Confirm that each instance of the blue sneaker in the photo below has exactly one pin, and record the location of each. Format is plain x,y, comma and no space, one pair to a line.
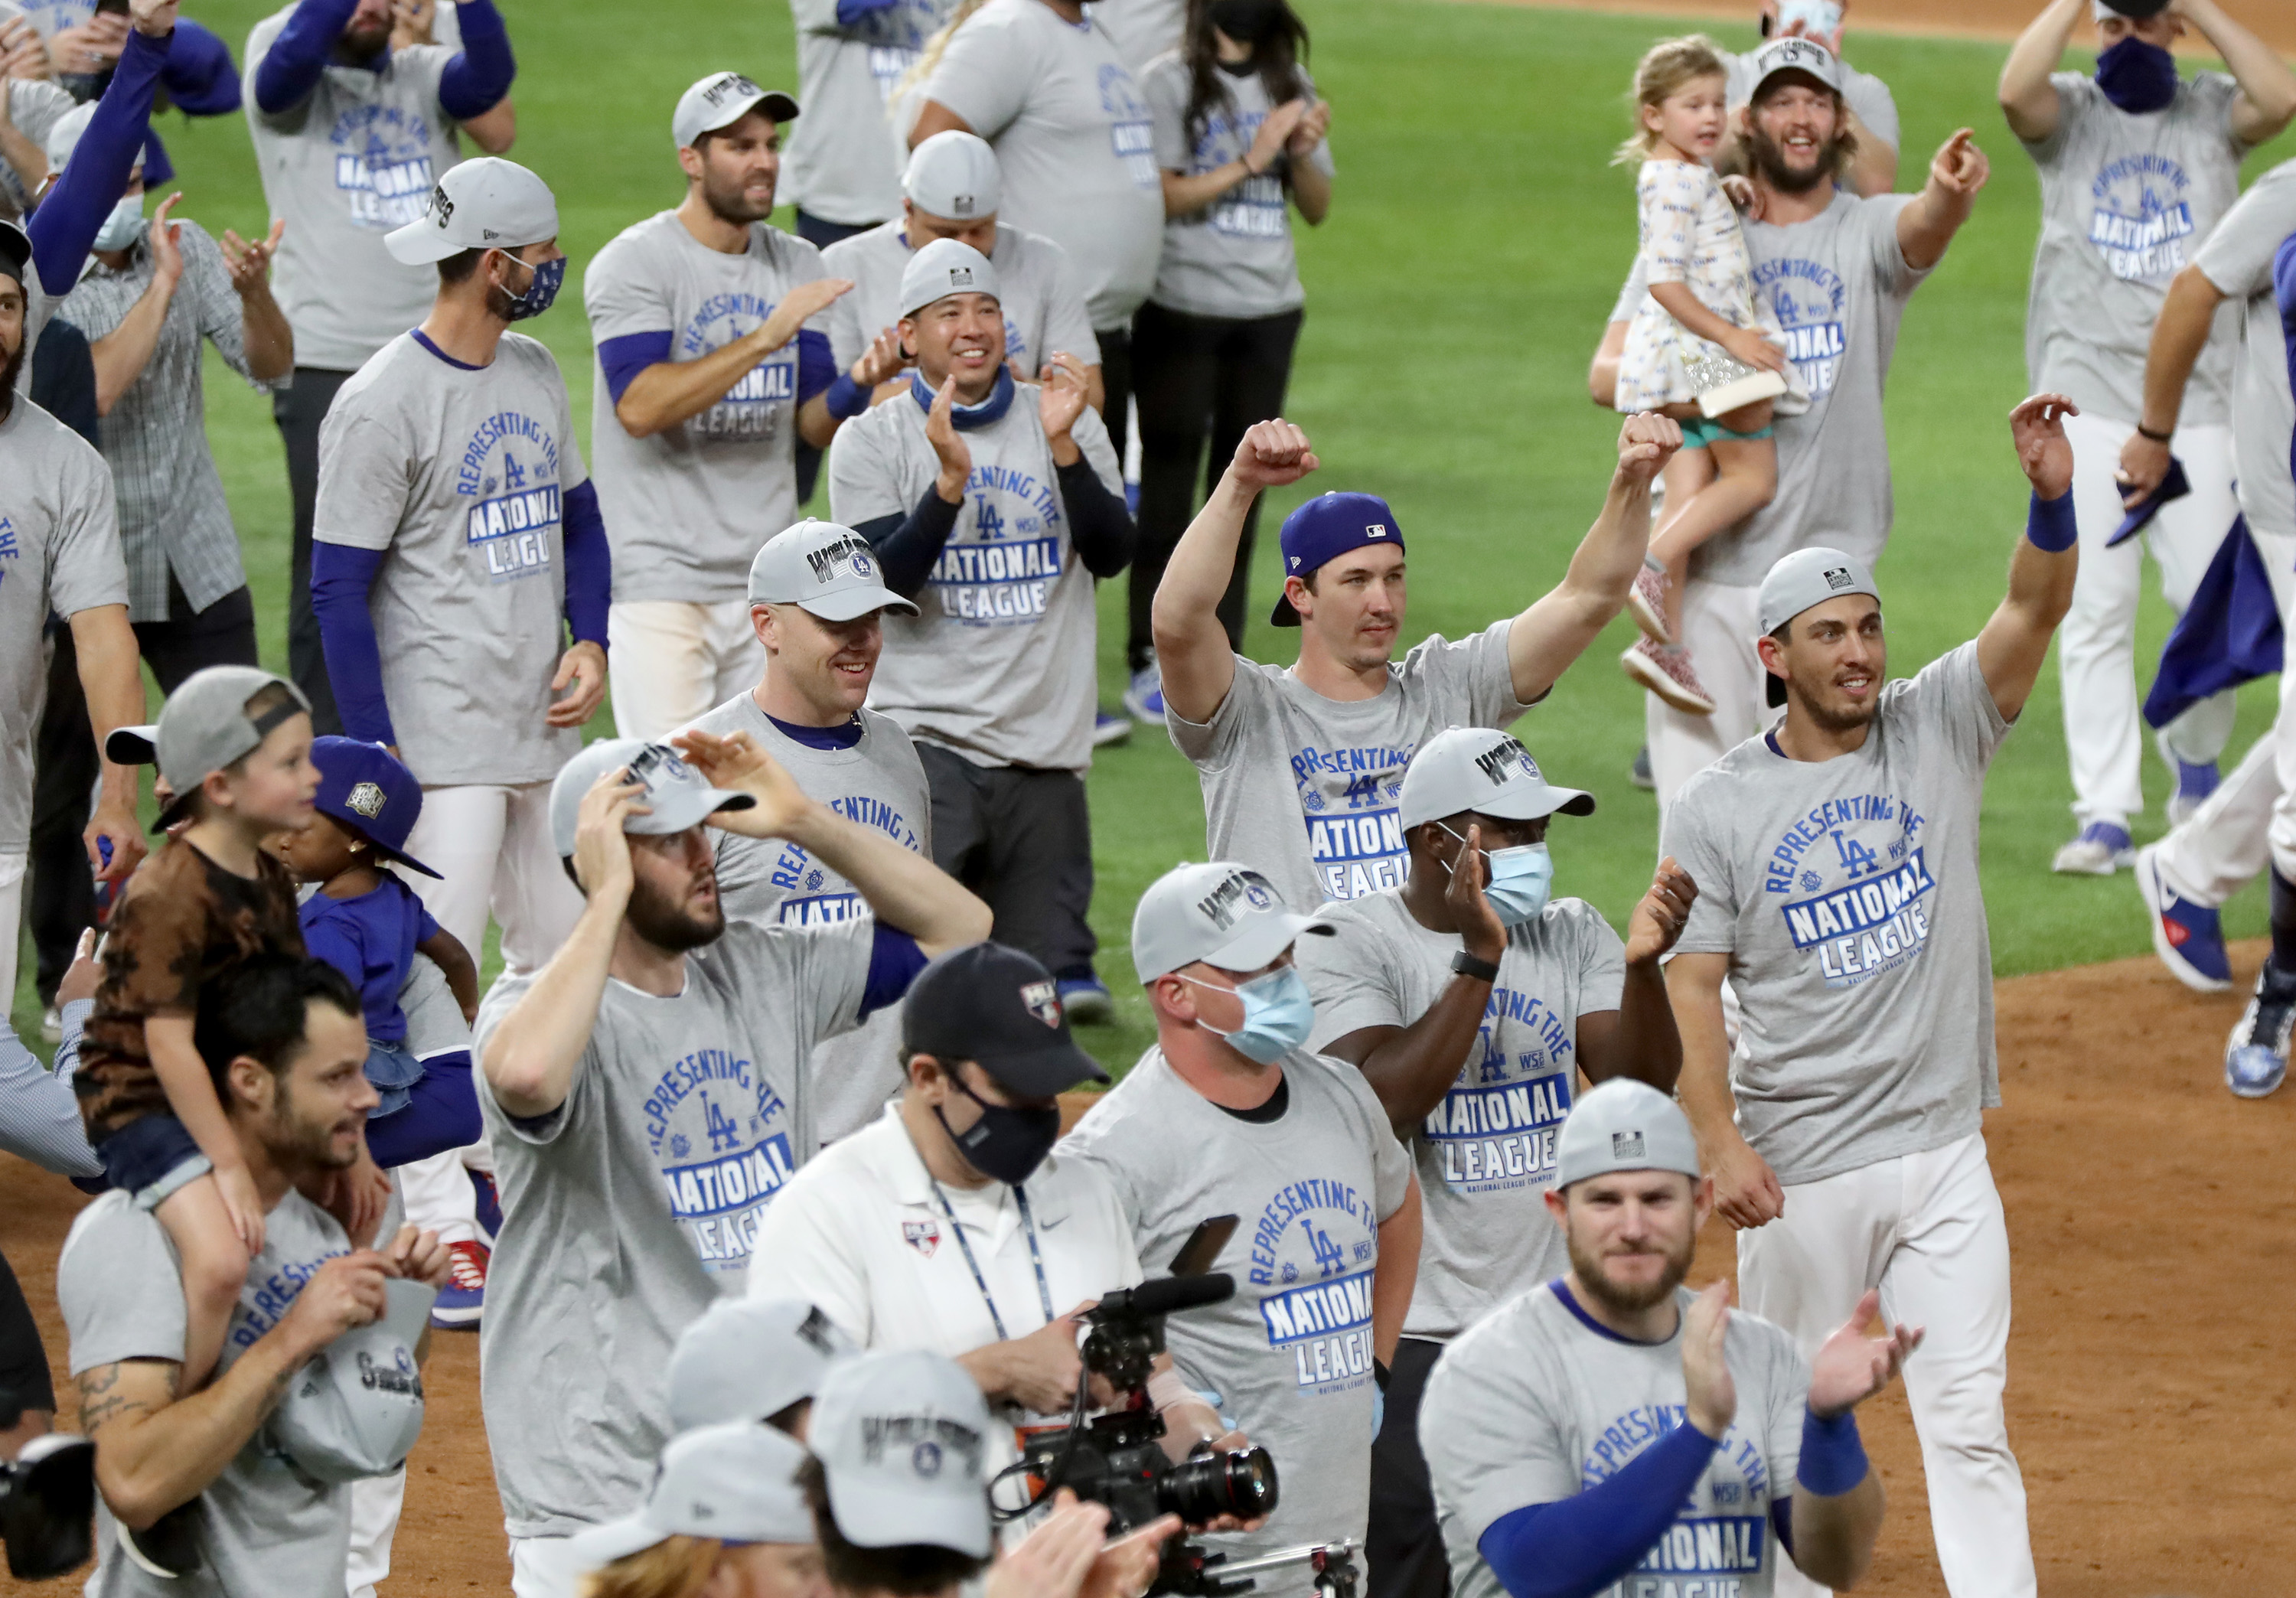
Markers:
1086,1001
482,1184
2195,784
2256,1054
2101,849
1144,699
1108,729
463,1300
2188,938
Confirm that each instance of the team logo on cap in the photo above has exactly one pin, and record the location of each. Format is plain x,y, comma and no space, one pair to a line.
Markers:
1506,760
924,1236
366,798
816,1333
960,277
847,557
726,87
1626,1145
1838,578
442,207
961,205
1043,1000
925,1458
1247,889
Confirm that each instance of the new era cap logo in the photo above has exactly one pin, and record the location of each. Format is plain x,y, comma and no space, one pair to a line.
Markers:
1626,1145
1838,578
1042,1001
366,798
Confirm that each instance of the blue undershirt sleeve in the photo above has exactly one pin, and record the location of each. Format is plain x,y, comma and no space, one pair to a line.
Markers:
894,962
201,77
1577,1546
291,68
475,81
817,367
63,228
342,575
589,566
621,359
908,546
853,13
1098,524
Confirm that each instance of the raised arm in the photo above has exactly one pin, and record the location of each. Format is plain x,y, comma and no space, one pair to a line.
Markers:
1640,1039
2267,89
1926,226
2016,640
1560,624
1396,1272
2028,100
1746,1191
121,355
2179,334
1192,656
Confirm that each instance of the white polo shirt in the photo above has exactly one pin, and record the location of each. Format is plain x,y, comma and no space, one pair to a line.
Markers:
861,1232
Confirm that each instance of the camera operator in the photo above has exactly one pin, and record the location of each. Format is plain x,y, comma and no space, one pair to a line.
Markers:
947,1225
1611,1422
1228,1114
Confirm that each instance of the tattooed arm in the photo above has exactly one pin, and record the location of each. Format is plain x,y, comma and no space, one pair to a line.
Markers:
155,1449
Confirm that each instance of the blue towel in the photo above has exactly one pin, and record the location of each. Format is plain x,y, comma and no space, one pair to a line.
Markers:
2229,634
2173,484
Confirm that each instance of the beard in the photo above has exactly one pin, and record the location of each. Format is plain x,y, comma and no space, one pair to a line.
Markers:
299,1143
1588,1269
1826,717
9,370
1769,159
363,42
671,926
728,203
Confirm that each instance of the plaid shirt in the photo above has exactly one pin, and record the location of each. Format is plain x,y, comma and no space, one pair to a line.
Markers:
172,511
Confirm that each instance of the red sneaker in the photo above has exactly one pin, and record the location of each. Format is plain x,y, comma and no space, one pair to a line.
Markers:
464,1298
1664,669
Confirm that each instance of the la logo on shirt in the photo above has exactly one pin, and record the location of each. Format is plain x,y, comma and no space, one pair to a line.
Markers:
383,166
1853,880
1811,302
720,1138
509,471
1314,1248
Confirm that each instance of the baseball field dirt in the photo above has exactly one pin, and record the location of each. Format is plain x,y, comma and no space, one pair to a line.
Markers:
2151,1402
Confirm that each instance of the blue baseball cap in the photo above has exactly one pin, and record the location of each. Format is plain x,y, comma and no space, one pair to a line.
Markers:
1326,528
363,786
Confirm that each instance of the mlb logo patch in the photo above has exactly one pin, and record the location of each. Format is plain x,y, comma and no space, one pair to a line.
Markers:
960,277
1626,1145
1042,1001
1377,529
1838,578
366,798
963,204
924,1236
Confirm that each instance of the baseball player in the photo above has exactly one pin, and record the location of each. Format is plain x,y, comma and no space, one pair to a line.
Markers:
2136,166
713,367
2249,822
1300,769
952,190
818,600
1611,1432
1836,863
1471,1002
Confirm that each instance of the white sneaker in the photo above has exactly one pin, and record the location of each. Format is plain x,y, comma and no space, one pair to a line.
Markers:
1143,699
52,1023
2101,849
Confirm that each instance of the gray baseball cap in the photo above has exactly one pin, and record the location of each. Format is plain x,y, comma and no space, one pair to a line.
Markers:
204,726
15,250
1623,1125
824,568
736,1483
747,1359
1796,54
953,175
1223,913
721,100
357,1408
1810,577
944,267
1475,769
488,203
675,792
902,1436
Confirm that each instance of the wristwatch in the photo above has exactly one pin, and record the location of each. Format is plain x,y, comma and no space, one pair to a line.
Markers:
1482,970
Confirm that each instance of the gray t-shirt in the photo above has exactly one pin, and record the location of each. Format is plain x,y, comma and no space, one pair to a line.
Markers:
1233,258
35,107
879,782
354,159
630,1207
1043,308
267,1527
999,666
460,475
688,509
60,552
1073,141
1538,1404
843,160
1289,1356
1143,30
2126,200
2238,259
1303,788
1486,1154
1846,894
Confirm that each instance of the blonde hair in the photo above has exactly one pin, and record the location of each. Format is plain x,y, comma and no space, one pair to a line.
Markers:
1664,71
677,1567
937,46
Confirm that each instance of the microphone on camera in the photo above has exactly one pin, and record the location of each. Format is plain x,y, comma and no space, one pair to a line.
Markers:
1164,1296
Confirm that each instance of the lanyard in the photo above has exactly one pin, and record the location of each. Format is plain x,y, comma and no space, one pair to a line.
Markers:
1036,1260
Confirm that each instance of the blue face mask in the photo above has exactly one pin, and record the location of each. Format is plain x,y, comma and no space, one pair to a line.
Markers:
541,291
1278,1014
1522,878
2138,77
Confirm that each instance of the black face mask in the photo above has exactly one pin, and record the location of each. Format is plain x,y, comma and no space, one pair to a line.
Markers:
1246,22
1007,1143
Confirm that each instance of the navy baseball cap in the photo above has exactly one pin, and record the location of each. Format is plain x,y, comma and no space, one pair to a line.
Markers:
15,250
363,786
995,1006
1326,528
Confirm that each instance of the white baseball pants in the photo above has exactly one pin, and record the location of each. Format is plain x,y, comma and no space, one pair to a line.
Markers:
2250,821
375,1503
1927,1230
1719,623
2097,646
491,846
669,661
546,1568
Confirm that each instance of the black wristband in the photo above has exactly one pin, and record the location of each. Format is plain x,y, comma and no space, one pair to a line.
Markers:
2145,432
1482,970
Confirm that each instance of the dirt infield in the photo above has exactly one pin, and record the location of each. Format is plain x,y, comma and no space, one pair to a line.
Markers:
2152,1398
2273,20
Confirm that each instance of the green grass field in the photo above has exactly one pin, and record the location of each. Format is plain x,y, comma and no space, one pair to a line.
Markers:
1476,241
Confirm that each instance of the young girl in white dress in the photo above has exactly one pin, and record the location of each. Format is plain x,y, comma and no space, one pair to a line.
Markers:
1698,333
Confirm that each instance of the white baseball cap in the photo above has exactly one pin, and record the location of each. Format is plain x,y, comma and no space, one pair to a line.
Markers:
1475,769
1809,576
826,568
64,137
736,1483
675,792
902,1436
357,1408
1224,914
943,267
953,175
721,100
748,1359
488,203
1623,1125
1795,54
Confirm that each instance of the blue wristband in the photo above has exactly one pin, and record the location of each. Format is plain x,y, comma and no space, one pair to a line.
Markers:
845,398
1833,1454
2049,523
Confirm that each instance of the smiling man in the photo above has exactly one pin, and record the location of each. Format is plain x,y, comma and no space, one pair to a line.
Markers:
1836,864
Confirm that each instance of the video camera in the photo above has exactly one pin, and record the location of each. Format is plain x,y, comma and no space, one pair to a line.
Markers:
48,1501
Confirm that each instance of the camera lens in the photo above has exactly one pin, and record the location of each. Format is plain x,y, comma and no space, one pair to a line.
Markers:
1240,1483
